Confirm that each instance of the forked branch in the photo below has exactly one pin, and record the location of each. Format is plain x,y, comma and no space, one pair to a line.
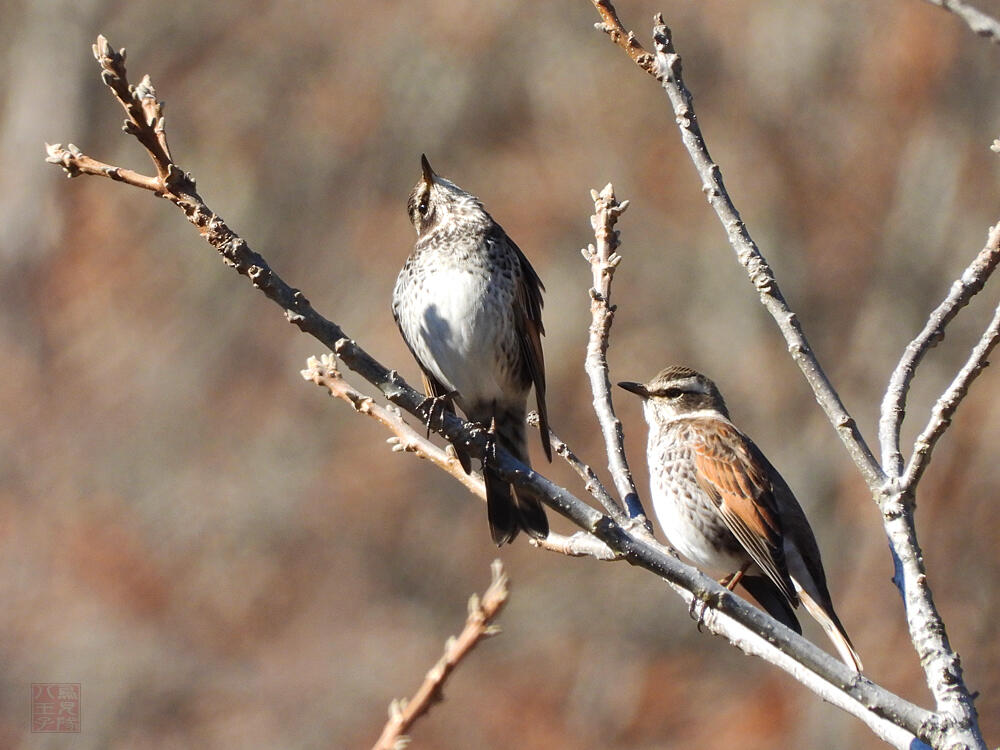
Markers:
893,410
945,407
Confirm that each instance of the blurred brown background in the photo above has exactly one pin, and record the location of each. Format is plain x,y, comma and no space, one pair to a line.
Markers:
224,557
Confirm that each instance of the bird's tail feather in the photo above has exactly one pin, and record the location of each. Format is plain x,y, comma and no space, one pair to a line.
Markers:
834,631
507,509
500,509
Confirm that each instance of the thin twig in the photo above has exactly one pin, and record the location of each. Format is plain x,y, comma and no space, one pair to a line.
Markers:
323,372
894,403
945,407
592,483
578,544
981,23
403,713
611,26
76,163
893,408
603,261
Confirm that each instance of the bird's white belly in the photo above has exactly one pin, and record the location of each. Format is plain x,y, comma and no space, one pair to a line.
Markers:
685,536
455,332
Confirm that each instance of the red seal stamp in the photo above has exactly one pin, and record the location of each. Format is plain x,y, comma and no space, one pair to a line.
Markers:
55,707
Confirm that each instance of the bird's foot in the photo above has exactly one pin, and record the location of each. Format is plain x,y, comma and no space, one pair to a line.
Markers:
435,408
697,611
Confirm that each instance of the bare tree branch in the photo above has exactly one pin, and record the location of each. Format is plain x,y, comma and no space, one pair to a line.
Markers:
323,372
624,39
949,401
940,663
603,260
76,163
887,728
894,403
827,675
938,660
734,618
403,713
145,112
979,22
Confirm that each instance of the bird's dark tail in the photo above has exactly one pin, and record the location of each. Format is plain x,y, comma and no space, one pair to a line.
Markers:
508,510
771,600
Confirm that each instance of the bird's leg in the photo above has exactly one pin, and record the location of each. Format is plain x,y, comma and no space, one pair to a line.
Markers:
435,407
733,578
490,454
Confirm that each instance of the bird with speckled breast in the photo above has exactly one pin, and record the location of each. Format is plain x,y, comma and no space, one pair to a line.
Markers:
726,508
469,306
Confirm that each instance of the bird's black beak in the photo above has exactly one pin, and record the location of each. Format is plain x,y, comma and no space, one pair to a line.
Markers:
637,388
426,167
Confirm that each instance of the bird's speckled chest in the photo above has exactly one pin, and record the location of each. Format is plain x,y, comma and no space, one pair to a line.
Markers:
454,301
686,513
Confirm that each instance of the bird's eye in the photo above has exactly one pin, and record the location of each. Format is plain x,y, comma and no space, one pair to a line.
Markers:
422,206
672,392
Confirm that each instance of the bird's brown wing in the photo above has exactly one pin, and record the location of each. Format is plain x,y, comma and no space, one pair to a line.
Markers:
741,489
528,313
815,594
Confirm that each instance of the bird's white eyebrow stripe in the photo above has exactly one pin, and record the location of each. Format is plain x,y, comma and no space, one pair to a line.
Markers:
691,385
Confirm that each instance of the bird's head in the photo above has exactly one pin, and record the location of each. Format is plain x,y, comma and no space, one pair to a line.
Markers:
435,200
677,392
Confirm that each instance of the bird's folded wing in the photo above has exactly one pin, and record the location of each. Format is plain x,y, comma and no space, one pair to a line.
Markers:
742,491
